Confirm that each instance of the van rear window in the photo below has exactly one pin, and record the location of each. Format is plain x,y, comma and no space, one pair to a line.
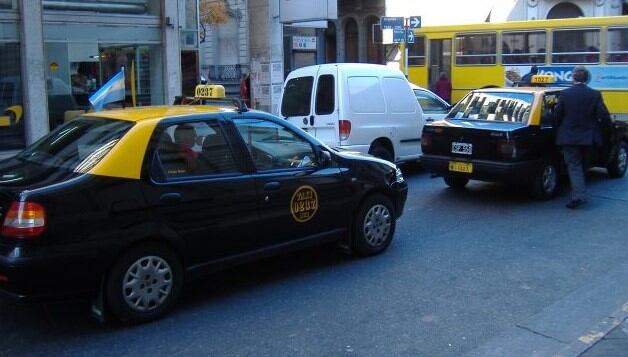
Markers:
297,97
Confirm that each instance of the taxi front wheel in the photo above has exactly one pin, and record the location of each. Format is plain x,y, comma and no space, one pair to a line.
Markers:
374,226
144,283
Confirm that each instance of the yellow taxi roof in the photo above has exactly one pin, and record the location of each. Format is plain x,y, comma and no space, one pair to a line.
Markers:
522,89
158,112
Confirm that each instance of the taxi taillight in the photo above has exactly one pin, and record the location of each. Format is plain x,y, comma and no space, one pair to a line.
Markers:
344,129
426,141
507,149
24,220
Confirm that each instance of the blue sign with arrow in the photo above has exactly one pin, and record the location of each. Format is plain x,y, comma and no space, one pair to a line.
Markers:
415,22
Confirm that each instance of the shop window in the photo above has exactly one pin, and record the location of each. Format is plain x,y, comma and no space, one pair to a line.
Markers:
11,106
617,45
476,49
523,47
136,7
416,52
576,46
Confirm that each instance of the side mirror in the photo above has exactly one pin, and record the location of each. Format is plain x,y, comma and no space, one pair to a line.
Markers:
325,158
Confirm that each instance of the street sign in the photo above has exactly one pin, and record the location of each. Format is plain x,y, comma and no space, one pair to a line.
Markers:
410,36
399,35
415,22
391,22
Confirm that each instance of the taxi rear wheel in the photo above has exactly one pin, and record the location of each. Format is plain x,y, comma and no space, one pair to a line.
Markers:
456,182
374,226
144,283
546,182
617,167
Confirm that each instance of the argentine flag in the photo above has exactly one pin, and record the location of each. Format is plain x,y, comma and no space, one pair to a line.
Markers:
112,91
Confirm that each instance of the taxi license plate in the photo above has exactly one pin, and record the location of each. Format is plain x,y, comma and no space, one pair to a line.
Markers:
461,148
457,166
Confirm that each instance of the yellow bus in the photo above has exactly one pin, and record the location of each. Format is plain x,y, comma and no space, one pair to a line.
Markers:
500,54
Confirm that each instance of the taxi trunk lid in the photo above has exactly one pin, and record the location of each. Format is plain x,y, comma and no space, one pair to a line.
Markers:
471,140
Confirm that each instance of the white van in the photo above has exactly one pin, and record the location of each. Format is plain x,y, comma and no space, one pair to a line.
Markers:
359,107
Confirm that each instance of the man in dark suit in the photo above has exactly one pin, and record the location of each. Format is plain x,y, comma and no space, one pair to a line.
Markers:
580,113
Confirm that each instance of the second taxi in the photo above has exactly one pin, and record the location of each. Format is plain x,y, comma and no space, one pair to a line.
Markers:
129,204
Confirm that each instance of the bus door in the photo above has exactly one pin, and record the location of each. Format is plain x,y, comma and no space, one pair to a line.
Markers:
439,59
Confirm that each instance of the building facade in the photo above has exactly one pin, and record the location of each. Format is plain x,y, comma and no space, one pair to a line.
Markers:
55,54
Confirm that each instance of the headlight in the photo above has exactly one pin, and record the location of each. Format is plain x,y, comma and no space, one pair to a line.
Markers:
399,175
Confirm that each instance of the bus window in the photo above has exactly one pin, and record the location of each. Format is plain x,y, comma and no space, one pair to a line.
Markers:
523,47
416,52
476,48
617,45
576,46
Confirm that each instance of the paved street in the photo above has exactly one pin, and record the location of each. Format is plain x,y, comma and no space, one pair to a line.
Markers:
485,271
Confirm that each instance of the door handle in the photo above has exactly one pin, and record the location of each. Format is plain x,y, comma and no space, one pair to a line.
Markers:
311,120
272,186
170,197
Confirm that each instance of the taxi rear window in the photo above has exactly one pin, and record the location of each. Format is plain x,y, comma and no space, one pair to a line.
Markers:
78,145
494,106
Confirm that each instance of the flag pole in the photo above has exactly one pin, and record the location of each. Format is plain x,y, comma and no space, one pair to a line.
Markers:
133,84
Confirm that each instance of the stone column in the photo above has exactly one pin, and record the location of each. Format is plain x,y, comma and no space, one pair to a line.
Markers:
35,102
171,50
340,40
362,40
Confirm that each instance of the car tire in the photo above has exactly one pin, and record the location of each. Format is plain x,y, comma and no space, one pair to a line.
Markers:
456,182
546,181
617,167
144,283
374,226
382,152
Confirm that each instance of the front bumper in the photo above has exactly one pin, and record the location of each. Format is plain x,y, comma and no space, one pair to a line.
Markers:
400,192
484,170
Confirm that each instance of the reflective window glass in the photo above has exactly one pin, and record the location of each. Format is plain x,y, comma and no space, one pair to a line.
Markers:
297,97
11,105
275,147
523,47
416,52
325,95
476,48
576,46
617,45
494,106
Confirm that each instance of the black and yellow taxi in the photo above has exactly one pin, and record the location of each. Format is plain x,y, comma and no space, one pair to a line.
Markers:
127,205
508,135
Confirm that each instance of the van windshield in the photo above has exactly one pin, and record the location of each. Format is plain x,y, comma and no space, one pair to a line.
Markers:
297,97
494,106
78,145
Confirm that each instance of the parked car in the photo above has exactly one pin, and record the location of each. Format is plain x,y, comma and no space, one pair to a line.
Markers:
357,107
433,106
508,135
127,205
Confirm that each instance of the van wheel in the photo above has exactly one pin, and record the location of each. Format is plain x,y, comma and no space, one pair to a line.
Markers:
381,152
617,167
144,283
374,226
545,185
456,182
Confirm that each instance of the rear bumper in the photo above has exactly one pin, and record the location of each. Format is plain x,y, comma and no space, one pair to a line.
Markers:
400,192
29,276
518,172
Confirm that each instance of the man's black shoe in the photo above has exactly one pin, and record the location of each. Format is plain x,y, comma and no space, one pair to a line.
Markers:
575,203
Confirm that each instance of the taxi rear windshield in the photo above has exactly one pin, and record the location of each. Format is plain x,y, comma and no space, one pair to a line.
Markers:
494,106
77,145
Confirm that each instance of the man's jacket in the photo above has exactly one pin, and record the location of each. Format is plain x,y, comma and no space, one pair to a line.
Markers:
580,114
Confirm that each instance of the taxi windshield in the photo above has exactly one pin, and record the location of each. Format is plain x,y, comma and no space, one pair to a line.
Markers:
494,106
78,145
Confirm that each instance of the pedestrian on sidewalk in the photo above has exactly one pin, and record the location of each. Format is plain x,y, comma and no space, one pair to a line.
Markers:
442,87
580,113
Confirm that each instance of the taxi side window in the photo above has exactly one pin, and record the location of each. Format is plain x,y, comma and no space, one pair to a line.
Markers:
274,147
194,149
547,112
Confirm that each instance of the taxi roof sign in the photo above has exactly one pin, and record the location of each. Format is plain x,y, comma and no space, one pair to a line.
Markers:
542,79
209,91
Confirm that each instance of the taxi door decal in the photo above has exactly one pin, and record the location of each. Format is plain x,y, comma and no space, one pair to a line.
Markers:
304,204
